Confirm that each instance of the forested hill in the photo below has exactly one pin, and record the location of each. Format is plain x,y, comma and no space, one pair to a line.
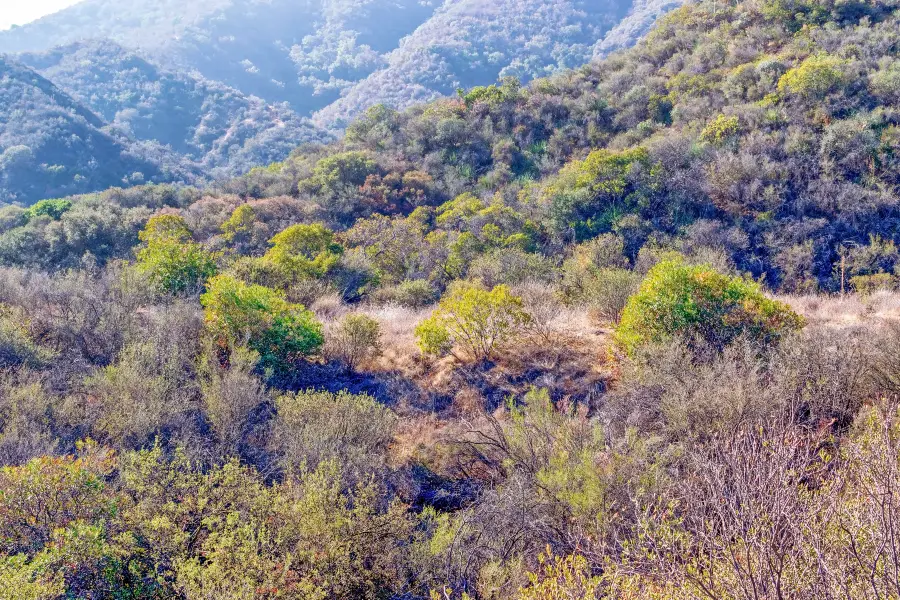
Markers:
50,145
224,131
309,52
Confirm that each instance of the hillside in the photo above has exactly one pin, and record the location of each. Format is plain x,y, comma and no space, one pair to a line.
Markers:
225,132
53,146
625,331
471,42
310,53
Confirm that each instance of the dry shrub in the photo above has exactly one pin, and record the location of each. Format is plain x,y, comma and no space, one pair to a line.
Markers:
352,429
230,392
542,302
357,337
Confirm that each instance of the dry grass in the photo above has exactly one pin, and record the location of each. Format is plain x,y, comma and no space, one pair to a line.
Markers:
847,311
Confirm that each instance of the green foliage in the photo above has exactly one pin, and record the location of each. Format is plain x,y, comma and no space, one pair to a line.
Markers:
172,260
49,493
720,130
492,95
236,230
304,251
869,284
51,208
280,332
814,77
558,577
474,318
21,579
587,197
701,305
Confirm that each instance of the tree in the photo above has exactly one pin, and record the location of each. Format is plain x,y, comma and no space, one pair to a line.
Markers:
304,251
281,332
701,305
170,257
474,318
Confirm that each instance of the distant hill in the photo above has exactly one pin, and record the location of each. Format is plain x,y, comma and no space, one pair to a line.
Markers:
340,56
51,145
473,42
223,130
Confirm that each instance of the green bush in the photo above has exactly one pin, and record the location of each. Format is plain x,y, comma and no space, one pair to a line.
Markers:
868,284
412,293
701,305
171,259
473,318
814,77
281,332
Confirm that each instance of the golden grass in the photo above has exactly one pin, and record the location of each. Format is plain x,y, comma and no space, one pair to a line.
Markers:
848,310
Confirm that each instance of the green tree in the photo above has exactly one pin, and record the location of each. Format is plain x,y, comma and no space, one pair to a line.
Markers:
474,318
281,332
304,252
588,196
170,257
702,305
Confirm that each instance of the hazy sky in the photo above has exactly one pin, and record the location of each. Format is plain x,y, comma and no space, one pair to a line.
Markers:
19,12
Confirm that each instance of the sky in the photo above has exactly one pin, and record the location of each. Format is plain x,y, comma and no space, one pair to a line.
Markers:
20,12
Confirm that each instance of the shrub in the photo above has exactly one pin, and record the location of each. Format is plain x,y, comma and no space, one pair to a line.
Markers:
412,293
281,332
474,318
814,77
558,577
720,130
356,338
868,284
172,260
51,208
230,392
607,292
352,429
17,347
701,305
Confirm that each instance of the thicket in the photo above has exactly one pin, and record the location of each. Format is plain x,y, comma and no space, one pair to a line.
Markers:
218,393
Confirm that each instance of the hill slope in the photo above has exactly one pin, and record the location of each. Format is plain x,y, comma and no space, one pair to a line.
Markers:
50,145
220,128
310,52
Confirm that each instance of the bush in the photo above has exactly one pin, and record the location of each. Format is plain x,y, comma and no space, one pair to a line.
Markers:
868,284
281,332
607,292
356,338
230,393
172,260
701,305
415,293
474,318
814,77
354,430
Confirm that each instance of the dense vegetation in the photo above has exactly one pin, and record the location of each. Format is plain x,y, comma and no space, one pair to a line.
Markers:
207,91
516,344
308,52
